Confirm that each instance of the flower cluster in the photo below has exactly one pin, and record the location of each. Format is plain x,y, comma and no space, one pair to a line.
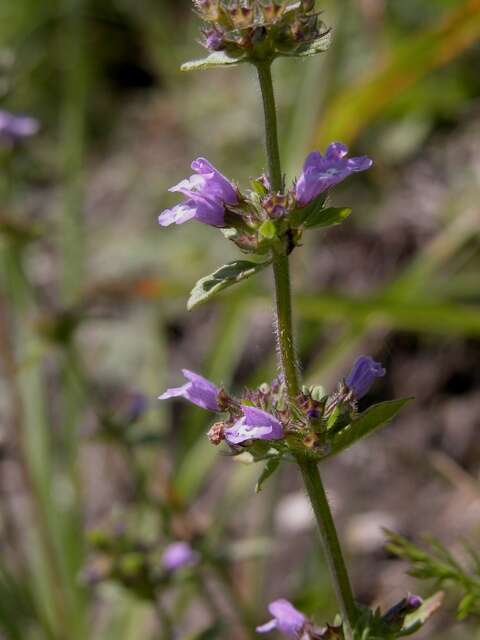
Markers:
15,128
260,216
261,29
293,624
267,414
179,555
141,567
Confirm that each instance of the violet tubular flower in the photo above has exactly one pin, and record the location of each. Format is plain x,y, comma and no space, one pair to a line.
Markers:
286,619
14,128
207,192
363,375
320,173
179,555
197,390
255,424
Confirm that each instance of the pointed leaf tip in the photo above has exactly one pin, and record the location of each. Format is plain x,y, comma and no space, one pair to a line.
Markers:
222,278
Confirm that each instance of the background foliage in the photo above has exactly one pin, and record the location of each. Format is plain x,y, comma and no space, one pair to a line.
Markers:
93,299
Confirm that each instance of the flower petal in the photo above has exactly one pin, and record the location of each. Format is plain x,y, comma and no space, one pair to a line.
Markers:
178,215
268,626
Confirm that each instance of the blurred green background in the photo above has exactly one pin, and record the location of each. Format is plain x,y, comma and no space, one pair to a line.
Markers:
93,294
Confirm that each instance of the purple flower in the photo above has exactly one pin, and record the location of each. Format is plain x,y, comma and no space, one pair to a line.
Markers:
414,602
286,619
179,555
363,375
14,128
213,39
322,172
198,390
207,192
397,614
255,424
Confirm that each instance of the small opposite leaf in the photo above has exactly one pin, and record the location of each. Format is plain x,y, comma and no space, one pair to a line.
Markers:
298,217
312,48
366,423
216,59
418,618
268,229
327,217
222,278
269,470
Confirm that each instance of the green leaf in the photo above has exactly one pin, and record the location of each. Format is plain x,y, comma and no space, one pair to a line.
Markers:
222,278
312,48
298,217
216,59
269,469
418,618
268,229
366,423
327,217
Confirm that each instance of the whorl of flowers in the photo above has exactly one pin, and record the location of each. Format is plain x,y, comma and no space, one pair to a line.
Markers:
267,413
260,216
262,29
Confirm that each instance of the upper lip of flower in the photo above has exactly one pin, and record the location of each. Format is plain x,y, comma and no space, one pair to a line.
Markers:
323,172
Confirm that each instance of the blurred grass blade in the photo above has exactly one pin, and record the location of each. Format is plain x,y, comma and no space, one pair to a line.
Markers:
437,317
355,107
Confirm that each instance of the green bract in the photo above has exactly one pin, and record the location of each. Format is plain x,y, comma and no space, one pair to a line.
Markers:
258,32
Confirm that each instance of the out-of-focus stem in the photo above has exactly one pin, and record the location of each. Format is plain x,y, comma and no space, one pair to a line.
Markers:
76,79
286,348
32,488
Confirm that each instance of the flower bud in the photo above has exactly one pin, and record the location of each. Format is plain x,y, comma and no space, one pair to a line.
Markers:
276,205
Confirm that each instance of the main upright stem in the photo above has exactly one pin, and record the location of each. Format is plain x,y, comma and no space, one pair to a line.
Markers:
308,468
281,267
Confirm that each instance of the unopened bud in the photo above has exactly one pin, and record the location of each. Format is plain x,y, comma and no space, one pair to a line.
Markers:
276,205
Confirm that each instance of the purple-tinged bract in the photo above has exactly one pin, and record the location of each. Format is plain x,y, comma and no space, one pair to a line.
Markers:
14,128
207,192
255,424
198,390
363,375
179,555
286,620
320,173
213,39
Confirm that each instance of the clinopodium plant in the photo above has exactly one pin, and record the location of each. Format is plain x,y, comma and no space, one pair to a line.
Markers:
284,420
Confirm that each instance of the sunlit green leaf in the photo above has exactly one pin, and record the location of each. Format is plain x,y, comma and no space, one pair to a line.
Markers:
222,278
216,59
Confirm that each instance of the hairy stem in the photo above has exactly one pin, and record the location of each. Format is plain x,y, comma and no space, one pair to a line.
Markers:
309,469
329,538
